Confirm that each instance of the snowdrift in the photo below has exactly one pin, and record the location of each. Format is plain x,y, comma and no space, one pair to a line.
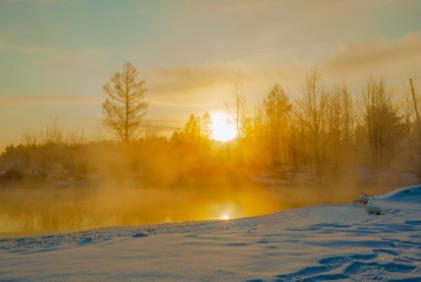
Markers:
320,243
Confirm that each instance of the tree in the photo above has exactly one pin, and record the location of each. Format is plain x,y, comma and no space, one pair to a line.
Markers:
339,122
312,115
125,105
206,125
192,128
194,136
382,122
191,132
277,109
240,108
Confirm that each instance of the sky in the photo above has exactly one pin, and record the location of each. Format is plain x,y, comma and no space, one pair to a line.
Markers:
55,55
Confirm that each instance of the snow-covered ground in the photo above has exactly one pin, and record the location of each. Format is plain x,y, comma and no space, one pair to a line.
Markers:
380,242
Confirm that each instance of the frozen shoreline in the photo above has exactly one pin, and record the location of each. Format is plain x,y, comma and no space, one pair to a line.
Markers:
319,243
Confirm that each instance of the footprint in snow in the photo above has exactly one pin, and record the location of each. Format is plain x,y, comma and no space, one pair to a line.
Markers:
351,265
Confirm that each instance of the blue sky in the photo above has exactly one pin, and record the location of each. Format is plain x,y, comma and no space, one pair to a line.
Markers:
55,55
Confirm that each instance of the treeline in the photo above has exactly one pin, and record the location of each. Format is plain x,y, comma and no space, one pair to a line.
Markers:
329,129
325,132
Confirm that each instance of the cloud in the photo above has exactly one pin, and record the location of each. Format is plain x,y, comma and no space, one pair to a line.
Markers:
181,83
161,125
376,54
189,79
43,54
18,101
63,57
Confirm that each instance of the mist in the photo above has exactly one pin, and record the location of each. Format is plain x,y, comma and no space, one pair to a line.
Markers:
324,147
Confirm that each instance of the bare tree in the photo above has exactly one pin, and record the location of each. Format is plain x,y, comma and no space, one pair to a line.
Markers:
54,133
239,106
125,105
312,114
339,125
414,100
382,122
348,117
277,109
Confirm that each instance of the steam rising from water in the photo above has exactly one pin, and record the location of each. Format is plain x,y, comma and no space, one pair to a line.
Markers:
33,208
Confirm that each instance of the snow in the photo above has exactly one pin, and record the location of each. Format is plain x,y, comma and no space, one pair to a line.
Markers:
320,243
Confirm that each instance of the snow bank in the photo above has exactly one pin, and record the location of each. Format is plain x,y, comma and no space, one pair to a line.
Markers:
321,243
407,195
402,199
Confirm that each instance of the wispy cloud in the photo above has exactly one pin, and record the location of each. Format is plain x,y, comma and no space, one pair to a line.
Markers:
377,53
161,125
182,82
188,79
12,101
47,55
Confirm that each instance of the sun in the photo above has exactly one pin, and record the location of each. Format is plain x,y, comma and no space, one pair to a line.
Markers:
222,127
224,217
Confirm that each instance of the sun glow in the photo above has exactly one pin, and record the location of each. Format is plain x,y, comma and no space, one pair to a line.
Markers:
223,127
224,217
